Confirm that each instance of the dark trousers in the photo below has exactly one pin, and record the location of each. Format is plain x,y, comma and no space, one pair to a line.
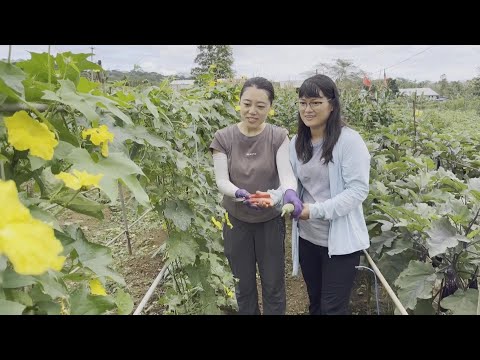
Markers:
329,280
247,244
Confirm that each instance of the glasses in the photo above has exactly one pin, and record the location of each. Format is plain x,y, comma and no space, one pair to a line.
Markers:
314,105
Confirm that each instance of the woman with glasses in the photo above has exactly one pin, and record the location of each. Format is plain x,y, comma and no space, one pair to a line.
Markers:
250,158
332,165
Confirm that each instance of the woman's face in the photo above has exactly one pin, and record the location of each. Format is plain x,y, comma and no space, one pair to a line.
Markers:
254,107
314,112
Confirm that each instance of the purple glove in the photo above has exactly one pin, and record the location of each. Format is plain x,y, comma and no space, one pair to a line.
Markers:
292,198
242,193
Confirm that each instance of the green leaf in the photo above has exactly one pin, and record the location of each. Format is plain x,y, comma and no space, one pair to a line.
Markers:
96,257
36,162
416,281
181,245
84,304
180,213
11,307
12,280
442,235
63,150
39,66
67,95
19,296
124,302
137,190
45,217
48,308
462,303
85,85
424,307
11,78
385,239
116,166
51,285
80,203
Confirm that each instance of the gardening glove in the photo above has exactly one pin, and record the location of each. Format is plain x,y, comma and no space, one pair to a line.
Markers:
242,193
292,198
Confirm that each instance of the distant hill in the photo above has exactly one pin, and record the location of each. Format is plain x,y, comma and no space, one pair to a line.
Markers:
137,77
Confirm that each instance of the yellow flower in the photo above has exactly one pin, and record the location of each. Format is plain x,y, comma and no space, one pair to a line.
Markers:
26,133
99,136
96,288
15,212
237,108
418,113
227,220
211,83
271,112
29,244
217,223
228,292
79,179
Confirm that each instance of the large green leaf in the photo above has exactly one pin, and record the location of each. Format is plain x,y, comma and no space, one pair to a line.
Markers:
81,303
96,257
11,78
424,307
12,280
462,303
180,213
39,66
385,239
85,85
44,216
10,307
67,95
116,166
80,203
51,285
415,282
181,245
442,235
124,302
19,296
136,189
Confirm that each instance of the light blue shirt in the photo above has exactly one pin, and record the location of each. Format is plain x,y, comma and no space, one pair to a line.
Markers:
349,175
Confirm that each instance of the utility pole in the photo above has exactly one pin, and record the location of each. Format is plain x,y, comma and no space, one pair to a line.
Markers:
91,59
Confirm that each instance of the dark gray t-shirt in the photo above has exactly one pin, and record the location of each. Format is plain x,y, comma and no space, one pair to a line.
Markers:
251,166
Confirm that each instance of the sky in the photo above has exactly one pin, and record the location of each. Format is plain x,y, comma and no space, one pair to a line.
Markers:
285,62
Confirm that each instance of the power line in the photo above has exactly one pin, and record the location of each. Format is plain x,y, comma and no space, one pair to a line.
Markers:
400,62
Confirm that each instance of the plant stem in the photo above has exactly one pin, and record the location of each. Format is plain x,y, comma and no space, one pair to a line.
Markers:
49,72
2,171
125,220
68,202
9,53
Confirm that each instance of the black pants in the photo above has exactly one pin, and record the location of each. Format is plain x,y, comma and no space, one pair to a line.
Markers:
247,244
329,280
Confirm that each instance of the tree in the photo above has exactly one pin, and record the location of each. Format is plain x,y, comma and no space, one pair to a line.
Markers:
219,55
343,72
443,84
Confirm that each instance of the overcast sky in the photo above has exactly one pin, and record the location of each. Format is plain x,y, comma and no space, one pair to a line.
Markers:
286,62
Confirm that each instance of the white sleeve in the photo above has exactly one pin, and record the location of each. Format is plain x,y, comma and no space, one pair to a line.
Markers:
285,171
220,166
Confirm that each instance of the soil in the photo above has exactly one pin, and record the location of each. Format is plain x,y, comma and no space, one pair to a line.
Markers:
142,267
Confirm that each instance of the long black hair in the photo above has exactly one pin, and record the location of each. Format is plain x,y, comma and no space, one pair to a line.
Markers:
311,88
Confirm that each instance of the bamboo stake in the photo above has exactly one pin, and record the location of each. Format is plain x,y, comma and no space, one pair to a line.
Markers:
390,292
150,291
125,220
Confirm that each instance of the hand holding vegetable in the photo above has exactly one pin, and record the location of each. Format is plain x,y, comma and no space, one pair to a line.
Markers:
292,198
261,199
